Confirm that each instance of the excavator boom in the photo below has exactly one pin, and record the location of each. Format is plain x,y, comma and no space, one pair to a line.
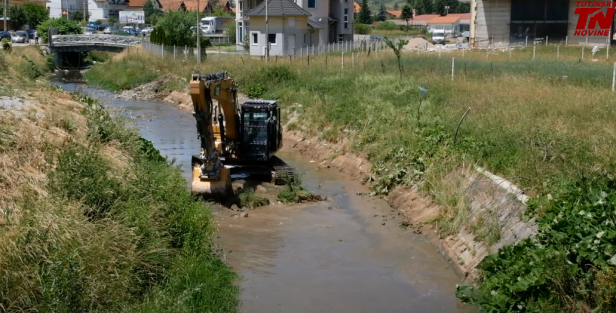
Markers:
210,178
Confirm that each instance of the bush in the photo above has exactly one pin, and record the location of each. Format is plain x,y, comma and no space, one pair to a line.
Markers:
576,236
255,91
294,192
386,25
63,27
362,29
6,45
248,198
30,69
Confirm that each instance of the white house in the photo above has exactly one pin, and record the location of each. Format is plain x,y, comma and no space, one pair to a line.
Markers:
96,9
312,22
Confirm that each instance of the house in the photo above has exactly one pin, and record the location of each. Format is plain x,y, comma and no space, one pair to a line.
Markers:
393,13
356,7
293,24
95,9
465,21
204,7
506,22
447,23
421,20
226,6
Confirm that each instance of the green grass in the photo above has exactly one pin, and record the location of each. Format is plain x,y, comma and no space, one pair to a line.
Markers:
127,74
527,123
248,198
106,234
294,192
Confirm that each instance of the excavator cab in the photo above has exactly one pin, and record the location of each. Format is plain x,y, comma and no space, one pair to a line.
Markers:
260,130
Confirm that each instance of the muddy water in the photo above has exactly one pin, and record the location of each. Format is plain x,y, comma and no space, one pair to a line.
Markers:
346,254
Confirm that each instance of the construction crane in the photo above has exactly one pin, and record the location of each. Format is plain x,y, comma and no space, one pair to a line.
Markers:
235,138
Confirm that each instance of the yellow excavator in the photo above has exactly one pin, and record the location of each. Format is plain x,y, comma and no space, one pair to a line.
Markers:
236,139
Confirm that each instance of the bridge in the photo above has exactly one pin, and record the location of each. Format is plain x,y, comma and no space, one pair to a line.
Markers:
85,43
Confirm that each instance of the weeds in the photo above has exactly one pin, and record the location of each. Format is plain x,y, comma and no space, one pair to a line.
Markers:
248,198
294,192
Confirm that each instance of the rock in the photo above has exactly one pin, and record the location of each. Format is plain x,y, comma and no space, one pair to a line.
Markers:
245,209
261,189
235,208
244,214
235,216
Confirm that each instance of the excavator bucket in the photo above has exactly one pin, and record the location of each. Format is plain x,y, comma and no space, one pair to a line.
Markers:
212,189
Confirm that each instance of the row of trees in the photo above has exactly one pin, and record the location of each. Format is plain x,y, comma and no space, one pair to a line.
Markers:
30,13
420,6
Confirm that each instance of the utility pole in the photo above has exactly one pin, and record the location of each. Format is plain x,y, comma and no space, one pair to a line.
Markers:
5,5
198,32
267,45
85,3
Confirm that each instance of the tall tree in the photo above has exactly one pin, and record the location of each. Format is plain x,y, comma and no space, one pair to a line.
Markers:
151,12
439,7
35,13
423,6
463,7
382,12
407,13
396,6
17,16
365,14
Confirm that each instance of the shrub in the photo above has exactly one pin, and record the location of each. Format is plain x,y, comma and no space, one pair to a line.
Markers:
248,198
362,29
63,27
30,69
294,192
6,45
255,91
386,25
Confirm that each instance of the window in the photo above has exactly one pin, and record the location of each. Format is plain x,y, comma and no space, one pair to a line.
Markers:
272,39
304,38
291,22
255,38
312,4
346,18
538,19
241,6
241,31
340,38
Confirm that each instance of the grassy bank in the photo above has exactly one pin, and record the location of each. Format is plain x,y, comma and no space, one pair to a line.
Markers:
93,219
552,135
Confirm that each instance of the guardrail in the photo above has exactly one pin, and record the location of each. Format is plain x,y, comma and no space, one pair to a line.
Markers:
90,40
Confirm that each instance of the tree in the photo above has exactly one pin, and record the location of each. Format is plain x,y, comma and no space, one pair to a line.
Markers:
397,48
151,12
78,16
365,14
35,13
18,17
423,6
230,31
382,12
396,6
407,13
176,28
439,7
62,26
463,7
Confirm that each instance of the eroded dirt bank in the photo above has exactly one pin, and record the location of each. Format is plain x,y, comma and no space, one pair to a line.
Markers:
491,215
346,254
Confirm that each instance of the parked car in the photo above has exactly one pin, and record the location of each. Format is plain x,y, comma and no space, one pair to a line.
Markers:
31,33
147,30
107,30
4,34
375,38
21,36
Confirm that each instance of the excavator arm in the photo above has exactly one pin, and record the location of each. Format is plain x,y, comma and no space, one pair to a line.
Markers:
210,177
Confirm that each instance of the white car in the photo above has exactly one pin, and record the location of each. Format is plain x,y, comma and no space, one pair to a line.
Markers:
147,30
107,31
20,36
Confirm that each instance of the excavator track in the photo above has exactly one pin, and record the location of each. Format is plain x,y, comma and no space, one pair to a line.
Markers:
281,171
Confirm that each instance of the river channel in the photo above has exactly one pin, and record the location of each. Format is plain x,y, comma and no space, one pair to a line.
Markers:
338,255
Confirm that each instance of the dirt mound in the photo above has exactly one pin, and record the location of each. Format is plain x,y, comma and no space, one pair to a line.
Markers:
150,91
418,43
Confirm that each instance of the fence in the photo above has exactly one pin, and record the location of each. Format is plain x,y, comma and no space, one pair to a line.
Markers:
185,52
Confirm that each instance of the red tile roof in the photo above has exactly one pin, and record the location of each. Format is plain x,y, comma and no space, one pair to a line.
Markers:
396,13
444,20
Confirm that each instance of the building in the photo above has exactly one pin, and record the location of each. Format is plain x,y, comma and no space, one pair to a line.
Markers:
504,22
393,13
421,20
95,9
356,7
204,6
447,23
293,24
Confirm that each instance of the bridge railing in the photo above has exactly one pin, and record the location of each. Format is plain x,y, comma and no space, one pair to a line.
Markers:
95,39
